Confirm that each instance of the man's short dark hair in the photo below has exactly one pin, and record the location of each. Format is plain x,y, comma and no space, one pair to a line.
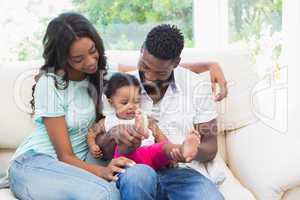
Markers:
164,42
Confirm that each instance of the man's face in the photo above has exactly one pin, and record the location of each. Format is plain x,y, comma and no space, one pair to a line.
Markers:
155,69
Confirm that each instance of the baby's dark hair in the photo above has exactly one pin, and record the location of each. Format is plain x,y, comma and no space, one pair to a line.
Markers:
164,42
119,80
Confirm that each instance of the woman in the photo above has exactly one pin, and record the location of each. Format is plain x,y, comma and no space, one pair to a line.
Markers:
50,162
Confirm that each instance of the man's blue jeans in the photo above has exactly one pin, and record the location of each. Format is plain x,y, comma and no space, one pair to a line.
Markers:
142,182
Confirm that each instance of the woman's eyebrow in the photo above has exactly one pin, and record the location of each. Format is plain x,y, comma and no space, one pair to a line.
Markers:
92,46
80,55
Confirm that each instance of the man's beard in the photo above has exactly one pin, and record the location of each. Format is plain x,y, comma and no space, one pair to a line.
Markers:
154,86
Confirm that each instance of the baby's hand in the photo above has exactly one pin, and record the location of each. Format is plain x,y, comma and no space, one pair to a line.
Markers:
96,151
173,164
139,124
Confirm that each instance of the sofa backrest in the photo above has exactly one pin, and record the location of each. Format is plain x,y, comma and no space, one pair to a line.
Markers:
236,110
15,118
17,80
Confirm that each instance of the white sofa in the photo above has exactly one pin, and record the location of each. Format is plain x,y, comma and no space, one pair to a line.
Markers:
259,163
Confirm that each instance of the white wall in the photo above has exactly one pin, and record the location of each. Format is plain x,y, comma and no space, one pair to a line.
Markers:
291,49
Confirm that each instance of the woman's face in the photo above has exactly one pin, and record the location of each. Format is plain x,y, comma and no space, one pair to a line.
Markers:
83,56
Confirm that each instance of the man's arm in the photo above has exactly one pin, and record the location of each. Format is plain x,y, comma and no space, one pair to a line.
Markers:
197,67
216,75
208,148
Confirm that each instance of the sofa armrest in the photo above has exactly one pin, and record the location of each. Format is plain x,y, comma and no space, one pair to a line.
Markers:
232,189
265,160
5,156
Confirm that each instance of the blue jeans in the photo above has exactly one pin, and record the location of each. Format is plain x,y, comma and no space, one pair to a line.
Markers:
142,182
186,183
37,176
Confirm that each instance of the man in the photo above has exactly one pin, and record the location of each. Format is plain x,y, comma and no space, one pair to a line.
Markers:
179,101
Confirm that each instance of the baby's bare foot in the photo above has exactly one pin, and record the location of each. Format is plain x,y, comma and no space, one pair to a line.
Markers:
190,146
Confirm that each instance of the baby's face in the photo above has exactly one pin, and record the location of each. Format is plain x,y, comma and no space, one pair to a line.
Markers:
126,101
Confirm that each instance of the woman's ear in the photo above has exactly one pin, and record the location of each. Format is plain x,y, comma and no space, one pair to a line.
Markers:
142,47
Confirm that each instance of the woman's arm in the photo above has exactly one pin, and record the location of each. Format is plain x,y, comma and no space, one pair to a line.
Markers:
58,133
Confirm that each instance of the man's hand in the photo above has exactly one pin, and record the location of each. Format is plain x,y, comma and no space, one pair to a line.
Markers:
217,77
129,137
126,135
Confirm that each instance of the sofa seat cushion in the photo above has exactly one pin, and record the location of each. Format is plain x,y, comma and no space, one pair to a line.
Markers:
6,194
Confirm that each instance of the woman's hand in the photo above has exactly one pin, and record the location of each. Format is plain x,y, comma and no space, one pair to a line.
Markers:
217,77
116,166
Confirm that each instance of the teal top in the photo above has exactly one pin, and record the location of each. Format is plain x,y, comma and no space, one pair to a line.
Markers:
73,102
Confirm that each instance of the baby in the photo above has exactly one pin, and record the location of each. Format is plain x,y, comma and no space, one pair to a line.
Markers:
123,94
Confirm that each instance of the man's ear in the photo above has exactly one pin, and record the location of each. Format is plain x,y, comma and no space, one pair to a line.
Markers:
176,61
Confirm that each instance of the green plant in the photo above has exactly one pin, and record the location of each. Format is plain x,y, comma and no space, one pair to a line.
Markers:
124,24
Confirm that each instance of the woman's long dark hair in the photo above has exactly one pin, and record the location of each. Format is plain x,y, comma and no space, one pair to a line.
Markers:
61,32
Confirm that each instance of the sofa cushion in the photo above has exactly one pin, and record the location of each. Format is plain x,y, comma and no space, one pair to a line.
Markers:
232,189
292,194
16,83
265,160
6,194
5,156
236,110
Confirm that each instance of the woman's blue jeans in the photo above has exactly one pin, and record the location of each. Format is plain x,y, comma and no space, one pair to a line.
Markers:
38,176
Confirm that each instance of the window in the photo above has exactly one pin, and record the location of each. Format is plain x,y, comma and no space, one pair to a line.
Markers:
23,25
250,18
122,24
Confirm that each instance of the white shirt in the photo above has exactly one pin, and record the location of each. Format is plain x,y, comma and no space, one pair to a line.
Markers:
112,120
188,101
